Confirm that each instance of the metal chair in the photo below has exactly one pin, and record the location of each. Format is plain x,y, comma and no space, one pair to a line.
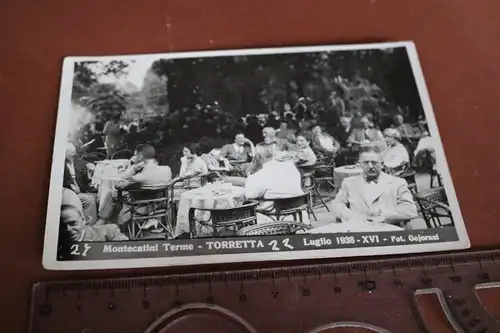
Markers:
425,162
409,176
274,228
324,173
309,186
227,221
122,154
435,176
281,207
147,204
433,205
93,157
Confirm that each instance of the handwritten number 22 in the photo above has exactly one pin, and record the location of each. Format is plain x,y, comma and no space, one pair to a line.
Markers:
285,242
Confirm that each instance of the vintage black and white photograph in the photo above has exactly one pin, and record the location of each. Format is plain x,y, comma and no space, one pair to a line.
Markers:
247,155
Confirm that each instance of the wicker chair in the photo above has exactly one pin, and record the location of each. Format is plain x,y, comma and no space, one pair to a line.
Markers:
282,207
146,205
433,205
273,228
309,186
122,154
225,222
324,173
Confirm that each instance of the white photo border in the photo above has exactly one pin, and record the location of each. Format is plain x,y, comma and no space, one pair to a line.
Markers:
51,239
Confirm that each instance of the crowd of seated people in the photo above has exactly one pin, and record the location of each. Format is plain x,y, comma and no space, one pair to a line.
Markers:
267,169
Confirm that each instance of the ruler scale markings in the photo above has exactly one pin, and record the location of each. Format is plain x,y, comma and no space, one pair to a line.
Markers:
456,275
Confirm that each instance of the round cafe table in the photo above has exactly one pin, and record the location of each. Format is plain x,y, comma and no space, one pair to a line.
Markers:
106,174
206,197
107,166
340,173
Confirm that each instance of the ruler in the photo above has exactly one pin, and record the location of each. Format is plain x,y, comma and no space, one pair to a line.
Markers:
379,295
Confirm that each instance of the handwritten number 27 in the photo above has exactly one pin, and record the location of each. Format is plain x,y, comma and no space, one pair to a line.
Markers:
75,249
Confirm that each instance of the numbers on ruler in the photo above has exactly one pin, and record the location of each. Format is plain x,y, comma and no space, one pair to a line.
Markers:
367,285
484,277
466,313
398,283
285,242
474,322
80,249
427,281
45,310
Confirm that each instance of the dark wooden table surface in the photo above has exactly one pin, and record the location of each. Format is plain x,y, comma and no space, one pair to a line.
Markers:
458,43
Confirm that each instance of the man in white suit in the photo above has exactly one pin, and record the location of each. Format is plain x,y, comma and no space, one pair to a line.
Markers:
374,196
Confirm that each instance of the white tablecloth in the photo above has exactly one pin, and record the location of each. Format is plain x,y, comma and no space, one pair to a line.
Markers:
206,198
108,167
106,174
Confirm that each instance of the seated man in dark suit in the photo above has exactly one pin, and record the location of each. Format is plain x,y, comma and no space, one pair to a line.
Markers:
74,224
133,137
343,131
76,178
239,154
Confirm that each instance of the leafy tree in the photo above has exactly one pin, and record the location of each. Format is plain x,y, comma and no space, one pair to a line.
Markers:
154,93
87,73
105,100
374,81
